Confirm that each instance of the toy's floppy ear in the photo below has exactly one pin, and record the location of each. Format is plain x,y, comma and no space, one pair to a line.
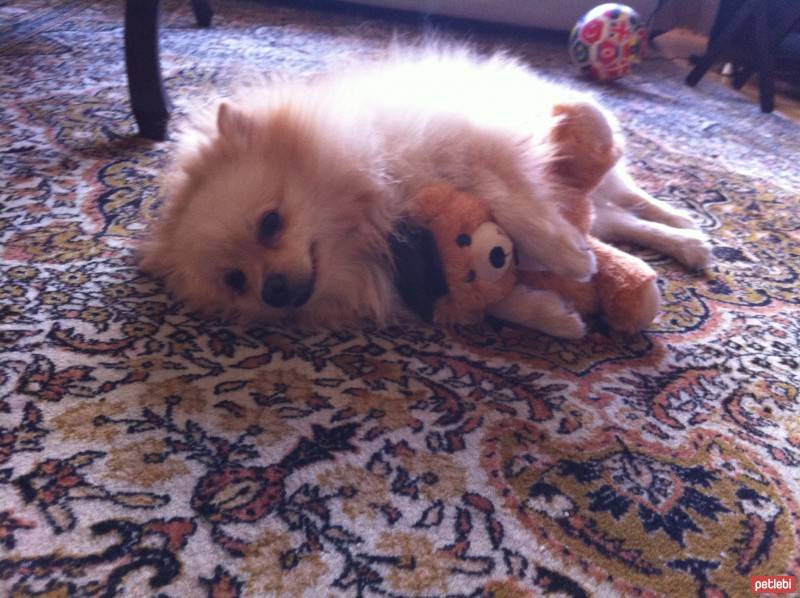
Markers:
419,275
586,145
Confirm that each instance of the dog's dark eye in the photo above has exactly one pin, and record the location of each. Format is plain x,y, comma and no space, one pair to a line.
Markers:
270,226
463,240
471,276
236,280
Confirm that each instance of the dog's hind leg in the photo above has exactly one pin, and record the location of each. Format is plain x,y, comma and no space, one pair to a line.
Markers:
619,189
626,213
687,245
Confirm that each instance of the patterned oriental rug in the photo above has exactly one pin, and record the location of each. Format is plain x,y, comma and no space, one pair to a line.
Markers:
144,452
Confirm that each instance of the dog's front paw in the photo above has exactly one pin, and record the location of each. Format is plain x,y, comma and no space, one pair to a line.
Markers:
565,252
540,310
556,318
577,264
568,325
573,258
694,251
677,219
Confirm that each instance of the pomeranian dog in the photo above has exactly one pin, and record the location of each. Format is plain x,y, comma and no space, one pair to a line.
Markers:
279,204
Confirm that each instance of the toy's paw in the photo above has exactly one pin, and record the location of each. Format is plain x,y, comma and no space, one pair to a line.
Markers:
693,250
636,310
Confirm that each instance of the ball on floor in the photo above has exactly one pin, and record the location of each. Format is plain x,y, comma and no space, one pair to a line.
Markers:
607,40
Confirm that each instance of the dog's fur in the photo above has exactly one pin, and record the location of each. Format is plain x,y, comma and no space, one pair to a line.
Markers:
340,155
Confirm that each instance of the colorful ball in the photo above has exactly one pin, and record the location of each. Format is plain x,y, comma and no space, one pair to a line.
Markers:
607,40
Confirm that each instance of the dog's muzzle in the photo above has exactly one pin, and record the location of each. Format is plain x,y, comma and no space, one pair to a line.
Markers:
279,292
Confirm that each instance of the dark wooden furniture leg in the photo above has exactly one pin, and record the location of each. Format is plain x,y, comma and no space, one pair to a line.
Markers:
785,25
741,75
766,77
719,45
202,12
148,99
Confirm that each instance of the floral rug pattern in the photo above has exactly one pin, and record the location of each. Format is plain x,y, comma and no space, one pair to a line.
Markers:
144,452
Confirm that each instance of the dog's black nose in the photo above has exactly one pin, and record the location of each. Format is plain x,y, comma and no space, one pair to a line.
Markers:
497,257
276,291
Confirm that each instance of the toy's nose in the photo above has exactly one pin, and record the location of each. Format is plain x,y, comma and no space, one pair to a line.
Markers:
497,257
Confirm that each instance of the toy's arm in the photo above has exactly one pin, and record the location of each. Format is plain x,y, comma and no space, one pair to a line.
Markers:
541,310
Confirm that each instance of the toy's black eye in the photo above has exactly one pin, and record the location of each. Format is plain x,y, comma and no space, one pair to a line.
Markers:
236,280
463,240
497,257
270,226
471,276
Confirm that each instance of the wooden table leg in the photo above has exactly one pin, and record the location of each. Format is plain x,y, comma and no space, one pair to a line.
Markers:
741,75
766,76
202,12
148,98
718,46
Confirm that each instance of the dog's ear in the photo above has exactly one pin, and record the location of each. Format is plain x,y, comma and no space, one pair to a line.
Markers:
231,121
586,146
419,274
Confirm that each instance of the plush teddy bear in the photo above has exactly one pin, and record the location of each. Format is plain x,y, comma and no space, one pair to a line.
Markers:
454,264
452,261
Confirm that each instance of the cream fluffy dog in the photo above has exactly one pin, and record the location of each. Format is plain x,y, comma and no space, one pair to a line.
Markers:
280,205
